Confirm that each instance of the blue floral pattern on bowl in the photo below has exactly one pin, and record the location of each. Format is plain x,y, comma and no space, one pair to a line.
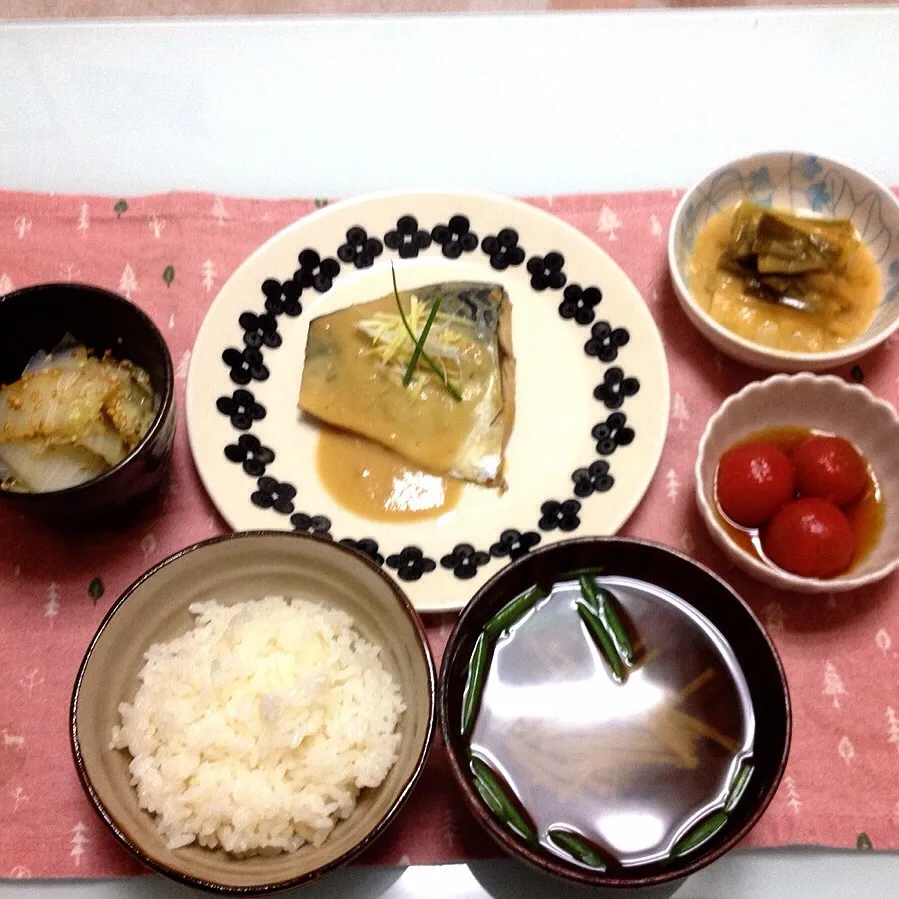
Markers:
819,198
893,292
760,180
811,167
802,182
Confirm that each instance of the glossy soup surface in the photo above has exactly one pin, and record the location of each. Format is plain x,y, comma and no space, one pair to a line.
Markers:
629,766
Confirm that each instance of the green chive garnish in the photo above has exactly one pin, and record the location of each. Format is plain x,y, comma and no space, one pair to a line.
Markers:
603,603
578,573
477,668
511,612
428,360
702,832
419,347
604,640
488,785
739,786
577,847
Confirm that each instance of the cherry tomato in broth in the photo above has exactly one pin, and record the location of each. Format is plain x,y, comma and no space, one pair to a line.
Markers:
753,481
810,537
830,468
865,514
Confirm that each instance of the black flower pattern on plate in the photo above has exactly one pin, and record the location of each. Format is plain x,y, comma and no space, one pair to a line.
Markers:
514,544
563,516
612,433
246,365
455,237
316,272
241,407
580,303
503,249
260,330
465,560
249,452
407,239
367,546
272,494
605,341
546,271
317,525
595,479
360,249
411,563
615,388
282,298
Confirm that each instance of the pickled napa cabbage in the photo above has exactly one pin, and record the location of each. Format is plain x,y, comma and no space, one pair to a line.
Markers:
70,417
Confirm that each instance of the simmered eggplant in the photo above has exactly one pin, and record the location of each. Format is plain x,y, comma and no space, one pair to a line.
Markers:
801,283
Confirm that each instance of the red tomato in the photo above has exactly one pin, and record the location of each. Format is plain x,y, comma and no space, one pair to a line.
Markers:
753,481
830,468
810,537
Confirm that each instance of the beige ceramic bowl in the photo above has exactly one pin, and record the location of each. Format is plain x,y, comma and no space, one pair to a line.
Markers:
231,569
825,403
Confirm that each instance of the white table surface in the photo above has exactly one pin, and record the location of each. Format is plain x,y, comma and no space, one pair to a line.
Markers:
514,104
523,105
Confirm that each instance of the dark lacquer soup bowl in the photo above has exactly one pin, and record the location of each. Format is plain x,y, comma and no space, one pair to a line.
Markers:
613,712
40,319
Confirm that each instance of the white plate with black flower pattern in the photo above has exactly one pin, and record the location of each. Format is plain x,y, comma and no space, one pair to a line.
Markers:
591,382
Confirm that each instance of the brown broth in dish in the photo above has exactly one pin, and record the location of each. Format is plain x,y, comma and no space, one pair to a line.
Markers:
722,295
375,483
866,515
629,766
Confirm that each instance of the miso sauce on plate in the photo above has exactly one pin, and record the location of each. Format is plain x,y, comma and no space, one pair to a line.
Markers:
375,483
630,766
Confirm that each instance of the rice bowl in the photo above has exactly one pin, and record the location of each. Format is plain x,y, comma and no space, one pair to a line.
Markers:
156,609
257,729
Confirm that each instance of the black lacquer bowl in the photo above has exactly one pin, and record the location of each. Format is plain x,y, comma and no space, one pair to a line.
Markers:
662,568
37,318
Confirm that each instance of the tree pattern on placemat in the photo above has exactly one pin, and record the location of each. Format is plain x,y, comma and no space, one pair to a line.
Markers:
62,589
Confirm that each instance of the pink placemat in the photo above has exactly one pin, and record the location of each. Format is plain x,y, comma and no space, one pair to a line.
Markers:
170,254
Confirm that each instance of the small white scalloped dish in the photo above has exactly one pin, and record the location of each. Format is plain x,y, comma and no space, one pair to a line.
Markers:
825,403
800,182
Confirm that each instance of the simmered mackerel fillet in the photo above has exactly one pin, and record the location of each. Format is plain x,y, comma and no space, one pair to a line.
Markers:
356,359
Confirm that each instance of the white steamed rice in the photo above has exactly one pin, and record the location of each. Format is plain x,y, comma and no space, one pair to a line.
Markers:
257,729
